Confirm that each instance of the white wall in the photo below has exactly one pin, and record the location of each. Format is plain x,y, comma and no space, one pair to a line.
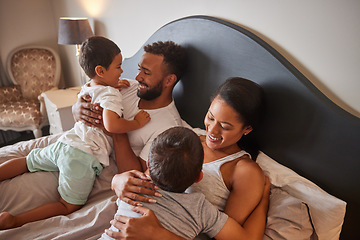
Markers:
321,38
25,22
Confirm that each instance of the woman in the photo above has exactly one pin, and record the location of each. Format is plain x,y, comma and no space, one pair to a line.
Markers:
232,181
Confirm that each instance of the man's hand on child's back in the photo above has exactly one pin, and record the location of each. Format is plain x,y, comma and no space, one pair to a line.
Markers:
90,114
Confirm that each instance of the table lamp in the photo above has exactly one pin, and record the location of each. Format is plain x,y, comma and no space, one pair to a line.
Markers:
73,31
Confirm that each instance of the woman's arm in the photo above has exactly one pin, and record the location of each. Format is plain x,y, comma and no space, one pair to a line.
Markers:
255,224
151,228
127,185
247,187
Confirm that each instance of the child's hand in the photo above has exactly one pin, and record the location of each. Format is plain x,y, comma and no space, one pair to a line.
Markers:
123,83
142,117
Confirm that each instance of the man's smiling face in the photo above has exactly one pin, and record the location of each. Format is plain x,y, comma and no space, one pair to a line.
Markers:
151,74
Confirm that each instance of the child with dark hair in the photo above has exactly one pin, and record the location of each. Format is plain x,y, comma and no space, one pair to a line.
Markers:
81,153
175,162
174,149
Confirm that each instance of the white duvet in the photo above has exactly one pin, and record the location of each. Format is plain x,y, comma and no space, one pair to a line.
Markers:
323,211
34,189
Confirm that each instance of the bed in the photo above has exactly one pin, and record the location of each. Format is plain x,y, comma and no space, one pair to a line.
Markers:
309,145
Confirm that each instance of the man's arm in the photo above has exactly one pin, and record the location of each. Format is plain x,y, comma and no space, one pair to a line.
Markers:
125,157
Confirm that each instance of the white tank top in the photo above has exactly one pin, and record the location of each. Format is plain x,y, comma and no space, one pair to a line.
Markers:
212,185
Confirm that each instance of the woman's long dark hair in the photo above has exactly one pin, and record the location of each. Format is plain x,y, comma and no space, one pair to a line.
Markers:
247,99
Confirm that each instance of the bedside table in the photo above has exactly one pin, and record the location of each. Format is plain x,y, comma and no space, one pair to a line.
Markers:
58,105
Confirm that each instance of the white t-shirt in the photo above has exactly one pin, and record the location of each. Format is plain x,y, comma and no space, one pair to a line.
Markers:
100,145
161,120
92,139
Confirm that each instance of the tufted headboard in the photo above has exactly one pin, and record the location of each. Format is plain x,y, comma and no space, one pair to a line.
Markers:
303,129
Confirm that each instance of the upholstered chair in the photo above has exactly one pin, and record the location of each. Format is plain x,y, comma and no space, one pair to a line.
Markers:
33,70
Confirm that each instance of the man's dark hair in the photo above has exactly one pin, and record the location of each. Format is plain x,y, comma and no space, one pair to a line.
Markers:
96,51
174,56
175,159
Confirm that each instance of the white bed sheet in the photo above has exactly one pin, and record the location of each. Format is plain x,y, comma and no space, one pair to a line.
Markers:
33,189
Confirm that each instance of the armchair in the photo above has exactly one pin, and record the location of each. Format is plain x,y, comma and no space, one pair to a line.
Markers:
33,70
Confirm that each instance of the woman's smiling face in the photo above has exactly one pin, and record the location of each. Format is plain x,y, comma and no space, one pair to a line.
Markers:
223,126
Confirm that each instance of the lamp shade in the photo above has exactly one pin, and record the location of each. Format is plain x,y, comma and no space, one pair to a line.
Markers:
73,30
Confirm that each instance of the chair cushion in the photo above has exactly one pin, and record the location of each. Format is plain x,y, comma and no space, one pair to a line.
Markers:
34,70
22,113
10,93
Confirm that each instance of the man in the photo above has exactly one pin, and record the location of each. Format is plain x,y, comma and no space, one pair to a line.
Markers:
160,68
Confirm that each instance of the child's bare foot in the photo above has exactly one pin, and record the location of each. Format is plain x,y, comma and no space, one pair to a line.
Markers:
6,220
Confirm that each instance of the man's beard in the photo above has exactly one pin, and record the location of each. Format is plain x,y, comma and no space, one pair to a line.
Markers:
152,93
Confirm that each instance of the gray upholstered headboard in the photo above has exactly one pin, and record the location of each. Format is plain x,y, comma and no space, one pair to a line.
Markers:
303,129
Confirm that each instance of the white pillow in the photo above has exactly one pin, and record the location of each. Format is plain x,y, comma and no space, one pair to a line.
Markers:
326,211
288,218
